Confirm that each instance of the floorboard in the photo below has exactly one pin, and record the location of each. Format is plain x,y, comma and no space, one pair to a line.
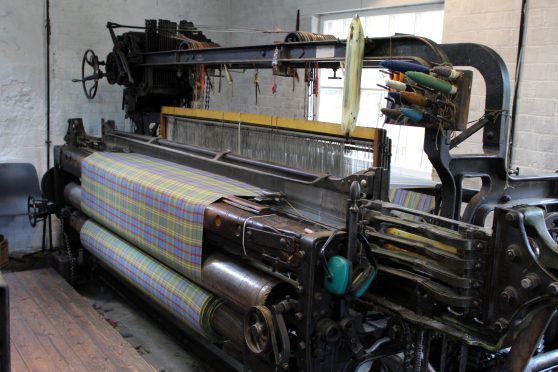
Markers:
52,328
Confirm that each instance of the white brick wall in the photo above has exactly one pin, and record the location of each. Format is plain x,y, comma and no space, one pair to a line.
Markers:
76,26
496,24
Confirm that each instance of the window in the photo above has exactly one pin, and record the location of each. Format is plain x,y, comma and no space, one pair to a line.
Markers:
427,21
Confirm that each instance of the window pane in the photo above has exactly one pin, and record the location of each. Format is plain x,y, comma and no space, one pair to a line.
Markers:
407,142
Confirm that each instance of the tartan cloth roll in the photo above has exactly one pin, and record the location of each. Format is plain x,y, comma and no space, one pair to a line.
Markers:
190,303
156,205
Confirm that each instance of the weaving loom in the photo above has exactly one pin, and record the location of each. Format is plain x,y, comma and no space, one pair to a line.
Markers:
273,237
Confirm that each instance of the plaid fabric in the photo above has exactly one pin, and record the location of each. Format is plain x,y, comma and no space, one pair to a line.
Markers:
412,200
155,205
184,299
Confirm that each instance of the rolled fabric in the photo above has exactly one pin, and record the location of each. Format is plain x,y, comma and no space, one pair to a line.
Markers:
402,66
431,82
353,73
156,205
413,98
412,114
397,85
190,303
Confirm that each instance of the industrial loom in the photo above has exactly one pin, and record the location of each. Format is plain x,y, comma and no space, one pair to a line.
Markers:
273,237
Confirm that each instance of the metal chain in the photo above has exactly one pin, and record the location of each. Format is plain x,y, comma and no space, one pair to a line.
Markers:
66,242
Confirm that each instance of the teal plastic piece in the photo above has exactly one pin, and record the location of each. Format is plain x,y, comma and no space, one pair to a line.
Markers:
340,269
366,286
412,114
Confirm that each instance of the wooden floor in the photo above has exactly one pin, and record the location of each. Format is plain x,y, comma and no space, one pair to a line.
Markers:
53,328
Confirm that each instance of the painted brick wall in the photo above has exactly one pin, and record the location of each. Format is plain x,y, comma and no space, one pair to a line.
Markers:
536,136
496,24
76,26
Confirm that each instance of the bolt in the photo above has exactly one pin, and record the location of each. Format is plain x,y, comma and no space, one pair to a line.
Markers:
530,281
500,325
505,198
301,345
363,183
508,295
553,288
300,289
285,366
512,253
318,296
490,135
299,316
283,242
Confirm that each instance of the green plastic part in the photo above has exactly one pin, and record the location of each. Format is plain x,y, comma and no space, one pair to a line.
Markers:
340,269
431,82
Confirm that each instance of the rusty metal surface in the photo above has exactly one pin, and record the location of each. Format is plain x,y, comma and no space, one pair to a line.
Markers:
240,284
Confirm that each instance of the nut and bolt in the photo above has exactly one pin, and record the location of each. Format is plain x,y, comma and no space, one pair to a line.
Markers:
508,295
500,325
512,253
553,288
530,281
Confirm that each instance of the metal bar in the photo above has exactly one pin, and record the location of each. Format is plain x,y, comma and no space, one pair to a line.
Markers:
543,362
4,326
467,133
327,53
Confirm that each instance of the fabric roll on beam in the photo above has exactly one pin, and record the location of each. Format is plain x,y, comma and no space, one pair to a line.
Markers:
157,206
190,303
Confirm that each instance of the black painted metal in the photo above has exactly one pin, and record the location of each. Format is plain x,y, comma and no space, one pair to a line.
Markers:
4,326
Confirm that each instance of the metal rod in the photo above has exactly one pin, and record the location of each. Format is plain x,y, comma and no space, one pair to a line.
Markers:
543,361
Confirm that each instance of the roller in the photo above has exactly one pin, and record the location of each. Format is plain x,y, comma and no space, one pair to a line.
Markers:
191,305
397,85
353,72
238,283
412,114
446,72
413,98
431,82
402,66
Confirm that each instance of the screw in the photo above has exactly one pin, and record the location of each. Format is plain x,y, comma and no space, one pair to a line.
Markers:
508,295
530,281
553,288
512,253
500,325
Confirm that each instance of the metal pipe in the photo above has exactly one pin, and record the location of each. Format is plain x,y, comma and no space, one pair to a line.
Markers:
72,195
543,361
224,156
242,285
